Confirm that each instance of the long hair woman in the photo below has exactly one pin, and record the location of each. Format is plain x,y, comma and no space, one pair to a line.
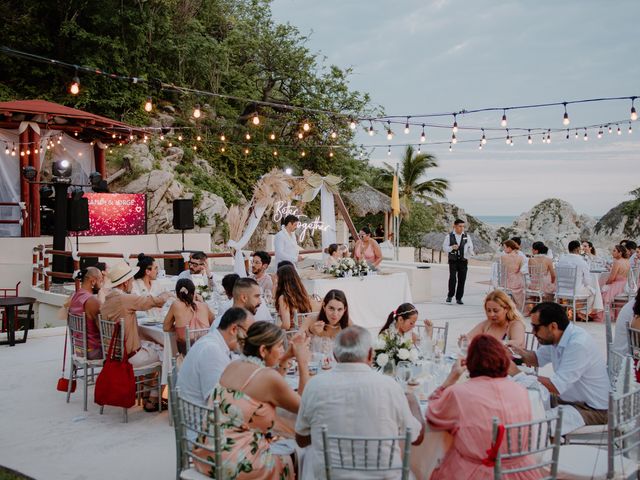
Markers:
402,322
332,319
504,322
186,311
291,296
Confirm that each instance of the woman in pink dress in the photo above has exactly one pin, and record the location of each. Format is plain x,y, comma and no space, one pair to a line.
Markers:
511,263
466,410
541,271
366,248
615,283
504,322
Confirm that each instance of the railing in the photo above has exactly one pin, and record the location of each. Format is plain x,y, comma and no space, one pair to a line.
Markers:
42,273
18,221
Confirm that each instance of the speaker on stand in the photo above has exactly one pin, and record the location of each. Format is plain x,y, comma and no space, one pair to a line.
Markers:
78,215
183,215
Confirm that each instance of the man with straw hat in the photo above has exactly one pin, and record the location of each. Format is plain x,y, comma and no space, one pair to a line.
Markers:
121,304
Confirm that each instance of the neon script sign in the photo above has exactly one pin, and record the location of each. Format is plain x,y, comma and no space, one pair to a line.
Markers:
282,209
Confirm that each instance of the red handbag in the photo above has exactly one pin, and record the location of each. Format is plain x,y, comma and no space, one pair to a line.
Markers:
116,384
63,382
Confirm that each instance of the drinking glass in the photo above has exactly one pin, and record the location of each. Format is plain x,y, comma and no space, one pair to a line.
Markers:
403,373
440,343
463,344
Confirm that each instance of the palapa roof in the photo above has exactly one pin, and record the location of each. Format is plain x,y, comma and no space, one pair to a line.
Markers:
365,200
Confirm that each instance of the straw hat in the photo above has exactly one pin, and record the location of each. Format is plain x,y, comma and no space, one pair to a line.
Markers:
121,273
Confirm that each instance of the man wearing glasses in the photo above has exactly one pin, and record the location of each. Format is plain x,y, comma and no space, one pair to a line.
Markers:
198,266
580,380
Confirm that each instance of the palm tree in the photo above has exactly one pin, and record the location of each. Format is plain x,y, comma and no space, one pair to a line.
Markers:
413,169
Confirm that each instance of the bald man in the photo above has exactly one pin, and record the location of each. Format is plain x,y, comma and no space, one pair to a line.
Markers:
85,301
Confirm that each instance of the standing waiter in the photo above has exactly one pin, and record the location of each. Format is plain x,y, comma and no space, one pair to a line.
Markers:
459,248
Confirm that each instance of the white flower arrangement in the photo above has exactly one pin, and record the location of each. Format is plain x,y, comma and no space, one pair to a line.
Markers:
348,267
204,292
390,346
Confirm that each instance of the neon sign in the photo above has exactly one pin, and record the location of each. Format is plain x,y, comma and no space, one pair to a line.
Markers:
282,209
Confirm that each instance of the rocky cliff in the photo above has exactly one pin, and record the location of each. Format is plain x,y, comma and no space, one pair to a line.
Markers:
622,221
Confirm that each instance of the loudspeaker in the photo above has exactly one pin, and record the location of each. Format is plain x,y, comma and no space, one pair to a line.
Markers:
88,262
174,266
183,214
78,215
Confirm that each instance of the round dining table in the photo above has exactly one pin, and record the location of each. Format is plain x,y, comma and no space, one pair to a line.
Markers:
10,305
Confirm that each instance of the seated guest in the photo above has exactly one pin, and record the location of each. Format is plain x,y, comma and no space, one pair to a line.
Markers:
198,265
332,319
122,304
334,255
106,283
616,282
275,275
291,296
144,281
588,251
366,248
402,321
504,322
583,280
466,410
511,265
627,314
246,294
249,391
343,251
631,247
525,260
210,355
580,379
85,301
186,311
545,280
259,264
355,400
228,282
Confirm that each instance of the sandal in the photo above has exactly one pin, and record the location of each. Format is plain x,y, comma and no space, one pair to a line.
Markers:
151,406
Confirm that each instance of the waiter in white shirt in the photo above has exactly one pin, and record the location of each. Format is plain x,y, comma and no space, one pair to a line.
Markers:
285,243
459,247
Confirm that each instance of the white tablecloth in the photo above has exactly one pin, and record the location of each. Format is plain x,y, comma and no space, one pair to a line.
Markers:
155,333
598,304
370,298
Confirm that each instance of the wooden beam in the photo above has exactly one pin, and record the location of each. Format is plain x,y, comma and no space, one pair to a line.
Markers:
345,215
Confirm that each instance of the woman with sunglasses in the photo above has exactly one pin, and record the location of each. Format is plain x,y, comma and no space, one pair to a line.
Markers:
367,248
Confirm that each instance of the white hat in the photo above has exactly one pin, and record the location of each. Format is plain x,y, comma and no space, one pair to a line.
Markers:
121,273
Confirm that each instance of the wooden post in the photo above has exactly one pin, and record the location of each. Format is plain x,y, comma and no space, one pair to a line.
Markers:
23,144
345,215
99,160
34,161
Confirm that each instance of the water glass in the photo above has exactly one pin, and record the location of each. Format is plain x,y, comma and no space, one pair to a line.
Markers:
463,344
403,373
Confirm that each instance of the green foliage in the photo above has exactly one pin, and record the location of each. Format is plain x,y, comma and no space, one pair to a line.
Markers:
413,228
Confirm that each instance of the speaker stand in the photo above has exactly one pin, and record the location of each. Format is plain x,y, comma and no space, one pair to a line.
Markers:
183,240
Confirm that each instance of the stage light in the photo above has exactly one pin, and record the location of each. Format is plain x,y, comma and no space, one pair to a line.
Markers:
61,169
197,113
148,106
288,170
29,172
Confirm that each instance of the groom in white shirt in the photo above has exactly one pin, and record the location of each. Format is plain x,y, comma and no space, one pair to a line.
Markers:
285,243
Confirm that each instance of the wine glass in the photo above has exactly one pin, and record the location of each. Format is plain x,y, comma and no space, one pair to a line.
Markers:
463,345
403,373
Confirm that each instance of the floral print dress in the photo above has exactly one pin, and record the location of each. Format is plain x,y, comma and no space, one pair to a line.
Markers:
246,426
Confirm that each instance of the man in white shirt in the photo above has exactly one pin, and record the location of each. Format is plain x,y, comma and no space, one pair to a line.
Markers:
583,276
259,264
621,339
355,400
246,295
198,265
285,243
459,247
210,355
580,379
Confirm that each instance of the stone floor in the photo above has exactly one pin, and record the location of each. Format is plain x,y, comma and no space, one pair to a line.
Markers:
48,439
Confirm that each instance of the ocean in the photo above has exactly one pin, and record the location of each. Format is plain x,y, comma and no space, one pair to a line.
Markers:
497,220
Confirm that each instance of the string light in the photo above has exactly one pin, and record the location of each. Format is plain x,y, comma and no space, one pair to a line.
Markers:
480,146
74,88
630,129
352,124
302,153
148,105
161,137
371,129
6,149
13,150
170,144
406,126
195,147
634,114
503,122
450,147
423,137
334,135
565,119
246,151
306,126
389,151
576,133
247,136
197,113
179,138
529,140
483,140
549,136
454,140
331,153
454,129
600,133
619,131
275,153
198,138
223,138
508,139
272,136
222,149
419,149
586,136
389,132
256,119
610,129
300,135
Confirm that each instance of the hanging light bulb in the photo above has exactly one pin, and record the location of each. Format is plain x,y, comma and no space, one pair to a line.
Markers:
275,153
567,137
198,138
195,147
222,149
529,140
371,132
74,88
113,135
331,153
576,134
13,150
179,138
389,132
483,140
630,129
255,119
423,137
352,124
300,135
389,151
223,138
334,135
511,142
419,149
272,136
549,136
247,136
619,131
246,151
6,149
503,122
565,118
450,147
148,105
302,153
508,139
610,129
288,171
170,144
306,126
197,113
634,114
454,140
131,137
406,127
480,146
454,129
161,136
586,136
600,133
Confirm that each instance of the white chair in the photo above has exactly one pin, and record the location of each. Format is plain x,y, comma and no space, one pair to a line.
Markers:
532,440
534,281
566,290
634,343
197,427
365,454
192,336
439,334
107,329
623,444
531,343
174,419
78,355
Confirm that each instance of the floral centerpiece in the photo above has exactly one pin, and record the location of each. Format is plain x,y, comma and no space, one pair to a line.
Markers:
390,348
204,291
348,267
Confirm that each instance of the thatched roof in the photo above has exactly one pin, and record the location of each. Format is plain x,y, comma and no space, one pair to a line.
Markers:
365,200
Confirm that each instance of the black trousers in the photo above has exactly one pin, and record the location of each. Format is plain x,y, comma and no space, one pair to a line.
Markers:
457,275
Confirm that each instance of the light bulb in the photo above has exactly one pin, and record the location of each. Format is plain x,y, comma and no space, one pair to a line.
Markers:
6,150
334,135
13,152
306,126
406,127
503,122
29,151
248,136
179,138
454,140
423,137
450,147
634,114
275,153
170,144
567,137
113,135
371,131
256,119
352,124
288,170
549,138
610,129
195,147
161,137
484,138
511,142
198,138
619,131
586,136
419,148
223,138
272,136
389,151
148,105
389,135
576,134
529,140
507,140
455,125
302,153
197,113
131,137
331,153
599,133
480,146
300,135
246,151
222,149
74,89
630,129
565,119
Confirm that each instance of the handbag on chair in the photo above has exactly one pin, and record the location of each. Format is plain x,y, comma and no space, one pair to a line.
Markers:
116,384
63,382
